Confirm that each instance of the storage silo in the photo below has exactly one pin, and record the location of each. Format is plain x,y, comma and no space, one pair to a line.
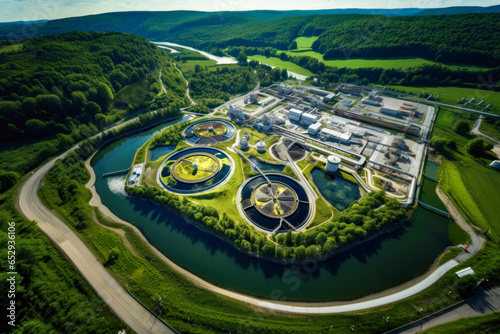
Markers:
332,163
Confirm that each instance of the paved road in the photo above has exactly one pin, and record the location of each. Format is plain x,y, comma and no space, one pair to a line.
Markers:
484,303
69,244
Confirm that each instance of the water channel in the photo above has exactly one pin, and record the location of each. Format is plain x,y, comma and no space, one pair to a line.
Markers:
379,264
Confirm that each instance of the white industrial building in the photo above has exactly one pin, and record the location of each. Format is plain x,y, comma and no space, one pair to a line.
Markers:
267,101
336,135
295,115
243,143
314,129
308,119
329,97
345,103
254,97
285,89
332,163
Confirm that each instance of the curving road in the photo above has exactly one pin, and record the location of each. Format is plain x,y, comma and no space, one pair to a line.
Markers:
131,312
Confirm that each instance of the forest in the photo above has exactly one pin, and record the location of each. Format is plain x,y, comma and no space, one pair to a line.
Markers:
74,83
462,38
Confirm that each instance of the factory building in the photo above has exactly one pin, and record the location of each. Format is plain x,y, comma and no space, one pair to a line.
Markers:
373,99
329,98
389,111
264,123
295,115
308,119
267,101
285,89
345,103
314,102
314,129
261,147
336,135
332,163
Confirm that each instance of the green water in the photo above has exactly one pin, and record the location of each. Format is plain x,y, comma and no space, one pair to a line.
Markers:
336,190
377,265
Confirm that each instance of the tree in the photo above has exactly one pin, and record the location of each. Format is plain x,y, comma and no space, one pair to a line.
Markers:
452,145
242,57
293,46
283,56
438,143
64,141
461,127
476,147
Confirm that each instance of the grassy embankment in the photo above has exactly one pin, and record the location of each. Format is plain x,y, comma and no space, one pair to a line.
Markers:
9,48
188,59
483,324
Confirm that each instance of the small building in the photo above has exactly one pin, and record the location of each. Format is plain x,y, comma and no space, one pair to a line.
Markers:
295,115
285,89
261,147
240,114
308,119
267,101
389,111
495,164
329,98
314,129
345,103
373,99
332,163
336,135
314,102
465,272
246,135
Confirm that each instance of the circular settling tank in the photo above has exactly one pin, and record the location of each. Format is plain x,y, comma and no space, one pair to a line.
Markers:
274,202
195,170
209,132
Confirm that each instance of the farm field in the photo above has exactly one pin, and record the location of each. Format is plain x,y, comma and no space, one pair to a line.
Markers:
278,63
400,62
189,65
305,43
450,95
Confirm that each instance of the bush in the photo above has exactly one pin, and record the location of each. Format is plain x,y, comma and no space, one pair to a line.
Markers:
476,147
461,127
438,143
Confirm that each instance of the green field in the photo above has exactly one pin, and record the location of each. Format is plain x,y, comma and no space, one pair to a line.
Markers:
305,43
9,48
450,95
189,65
482,324
399,62
278,63
490,129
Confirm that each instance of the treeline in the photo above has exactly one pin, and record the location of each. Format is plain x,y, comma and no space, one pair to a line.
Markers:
67,83
212,88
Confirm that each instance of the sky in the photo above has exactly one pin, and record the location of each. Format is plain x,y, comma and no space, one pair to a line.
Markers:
30,10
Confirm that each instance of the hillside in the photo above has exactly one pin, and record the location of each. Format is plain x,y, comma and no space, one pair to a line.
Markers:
72,82
465,38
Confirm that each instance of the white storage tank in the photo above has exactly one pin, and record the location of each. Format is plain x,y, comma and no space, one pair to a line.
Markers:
261,147
332,163
243,143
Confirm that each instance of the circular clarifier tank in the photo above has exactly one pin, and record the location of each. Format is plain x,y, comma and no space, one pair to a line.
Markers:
209,132
274,203
195,170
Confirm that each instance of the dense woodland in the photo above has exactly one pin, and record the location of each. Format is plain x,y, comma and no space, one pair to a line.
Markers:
75,82
465,38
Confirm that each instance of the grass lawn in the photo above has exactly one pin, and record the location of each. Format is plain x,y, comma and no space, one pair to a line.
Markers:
450,95
398,62
190,64
305,43
255,136
491,130
9,48
278,63
482,324
471,184
134,94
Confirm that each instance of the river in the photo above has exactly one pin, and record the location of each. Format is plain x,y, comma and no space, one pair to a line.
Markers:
377,265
